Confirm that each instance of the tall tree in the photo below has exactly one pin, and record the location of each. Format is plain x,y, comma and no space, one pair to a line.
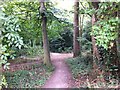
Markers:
96,55
94,19
76,45
47,59
118,39
113,54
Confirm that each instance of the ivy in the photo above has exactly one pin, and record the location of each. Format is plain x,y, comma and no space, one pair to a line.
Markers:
105,32
105,29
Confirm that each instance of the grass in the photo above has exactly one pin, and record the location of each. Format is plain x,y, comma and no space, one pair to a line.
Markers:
33,78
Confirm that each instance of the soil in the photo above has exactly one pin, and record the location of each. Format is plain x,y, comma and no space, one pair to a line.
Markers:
62,76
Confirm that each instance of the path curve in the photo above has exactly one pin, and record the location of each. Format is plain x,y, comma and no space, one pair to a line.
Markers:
62,76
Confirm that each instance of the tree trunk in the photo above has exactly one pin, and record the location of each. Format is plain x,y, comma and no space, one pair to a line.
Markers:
112,51
81,30
96,55
47,60
76,45
113,58
95,49
118,39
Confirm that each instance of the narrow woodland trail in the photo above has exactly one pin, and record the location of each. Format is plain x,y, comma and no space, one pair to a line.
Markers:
62,76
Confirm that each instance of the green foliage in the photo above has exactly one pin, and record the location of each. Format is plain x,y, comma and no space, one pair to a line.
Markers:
28,79
100,84
34,51
80,65
105,29
2,50
29,51
82,72
3,81
62,43
9,38
29,19
10,33
105,32
87,11
86,42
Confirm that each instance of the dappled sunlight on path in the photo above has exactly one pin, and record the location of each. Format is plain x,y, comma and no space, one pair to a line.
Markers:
62,76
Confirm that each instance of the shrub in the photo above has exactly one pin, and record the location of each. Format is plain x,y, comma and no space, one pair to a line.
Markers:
32,78
80,65
30,51
62,43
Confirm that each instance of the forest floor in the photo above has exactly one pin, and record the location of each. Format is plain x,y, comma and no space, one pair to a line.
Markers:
62,76
67,72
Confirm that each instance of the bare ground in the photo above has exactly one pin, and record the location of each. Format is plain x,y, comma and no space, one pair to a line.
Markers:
62,76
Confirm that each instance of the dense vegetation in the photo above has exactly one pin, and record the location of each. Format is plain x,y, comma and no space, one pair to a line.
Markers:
93,37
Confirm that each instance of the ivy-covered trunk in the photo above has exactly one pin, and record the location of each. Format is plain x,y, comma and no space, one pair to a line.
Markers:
105,32
113,59
97,70
95,51
95,48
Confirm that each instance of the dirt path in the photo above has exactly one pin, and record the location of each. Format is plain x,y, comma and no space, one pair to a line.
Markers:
62,76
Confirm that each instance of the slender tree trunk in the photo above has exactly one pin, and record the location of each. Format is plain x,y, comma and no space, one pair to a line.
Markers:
118,39
95,52
113,51
95,49
94,19
76,45
81,30
47,60
113,59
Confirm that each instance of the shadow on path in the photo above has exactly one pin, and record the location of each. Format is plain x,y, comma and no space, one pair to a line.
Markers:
62,76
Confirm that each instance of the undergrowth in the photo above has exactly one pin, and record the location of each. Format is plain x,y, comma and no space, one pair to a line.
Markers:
85,76
30,51
79,65
33,78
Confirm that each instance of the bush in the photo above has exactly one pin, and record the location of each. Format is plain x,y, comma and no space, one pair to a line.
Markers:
85,40
30,51
34,51
33,78
62,43
80,65
82,68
